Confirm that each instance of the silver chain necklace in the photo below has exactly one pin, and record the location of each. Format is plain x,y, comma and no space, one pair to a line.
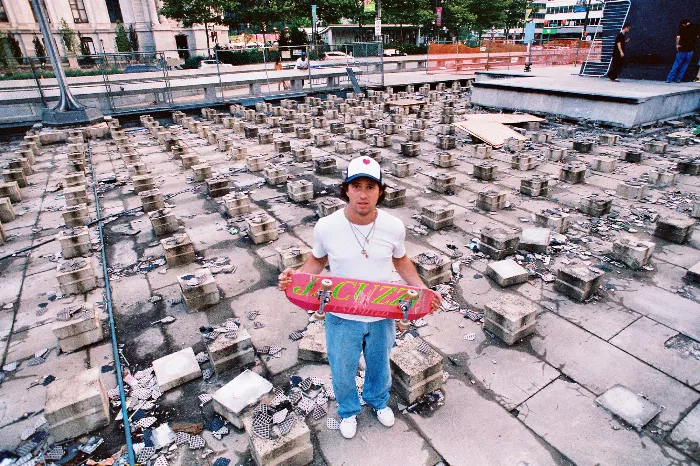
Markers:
366,238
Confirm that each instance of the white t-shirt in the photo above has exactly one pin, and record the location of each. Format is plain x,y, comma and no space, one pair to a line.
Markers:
333,237
302,64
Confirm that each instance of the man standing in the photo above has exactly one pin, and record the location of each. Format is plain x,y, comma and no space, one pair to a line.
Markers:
618,58
685,45
360,242
302,64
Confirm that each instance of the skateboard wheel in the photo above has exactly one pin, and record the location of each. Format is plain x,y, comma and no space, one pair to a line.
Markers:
319,315
326,283
413,294
404,324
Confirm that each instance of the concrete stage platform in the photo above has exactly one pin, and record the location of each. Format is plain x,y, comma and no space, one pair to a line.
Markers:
558,91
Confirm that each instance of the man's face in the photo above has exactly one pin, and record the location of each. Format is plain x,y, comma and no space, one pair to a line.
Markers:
363,194
626,30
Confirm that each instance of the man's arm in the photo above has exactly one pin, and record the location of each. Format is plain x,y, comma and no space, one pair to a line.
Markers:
678,42
313,265
619,48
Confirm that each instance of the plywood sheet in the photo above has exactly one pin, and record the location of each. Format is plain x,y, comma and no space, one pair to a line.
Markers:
505,118
491,132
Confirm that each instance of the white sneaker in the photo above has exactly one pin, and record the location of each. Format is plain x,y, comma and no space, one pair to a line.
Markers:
348,426
385,416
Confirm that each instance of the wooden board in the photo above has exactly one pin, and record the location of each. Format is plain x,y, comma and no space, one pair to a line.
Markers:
405,102
491,132
505,118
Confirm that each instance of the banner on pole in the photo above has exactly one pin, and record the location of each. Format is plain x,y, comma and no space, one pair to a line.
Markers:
529,33
377,27
370,6
438,16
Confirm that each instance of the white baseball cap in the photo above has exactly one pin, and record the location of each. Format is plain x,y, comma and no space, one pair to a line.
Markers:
364,166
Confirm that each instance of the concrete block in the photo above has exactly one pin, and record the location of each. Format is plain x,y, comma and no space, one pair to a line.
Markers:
283,145
292,256
506,273
218,187
250,132
445,160
201,172
437,217
661,177
151,200
262,228
634,254
300,190
255,163
480,151
329,205
509,338
295,448
603,164
75,242
301,154
21,163
534,186
344,147
313,346
179,250
433,268
189,160
511,313
443,183
394,196
15,175
484,171
228,354
688,166
523,162
491,200
231,400
534,240
237,204
578,282
675,229
693,273
415,373
275,174
141,183
76,276
631,189
656,147
163,222
7,212
11,189
554,220
446,142
498,243
265,138
608,139
583,147
325,165
77,405
402,168
556,154
76,216
176,369
631,155
573,173
595,206
82,330
410,149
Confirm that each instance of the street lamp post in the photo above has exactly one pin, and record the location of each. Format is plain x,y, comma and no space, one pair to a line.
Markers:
68,111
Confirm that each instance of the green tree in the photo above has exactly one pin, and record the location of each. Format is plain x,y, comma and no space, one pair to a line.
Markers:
204,12
133,38
457,16
284,40
407,12
514,14
68,36
122,39
297,36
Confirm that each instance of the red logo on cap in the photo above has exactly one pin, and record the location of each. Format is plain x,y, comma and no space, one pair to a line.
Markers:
366,161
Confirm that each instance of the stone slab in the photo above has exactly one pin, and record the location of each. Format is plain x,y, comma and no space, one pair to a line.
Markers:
564,345
176,369
565,414
466,411
686,435
313,346
628,406
241,392
506,272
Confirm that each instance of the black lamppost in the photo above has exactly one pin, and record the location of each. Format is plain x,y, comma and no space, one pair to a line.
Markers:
68,111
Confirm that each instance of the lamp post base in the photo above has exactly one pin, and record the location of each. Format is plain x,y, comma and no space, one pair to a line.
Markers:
84,115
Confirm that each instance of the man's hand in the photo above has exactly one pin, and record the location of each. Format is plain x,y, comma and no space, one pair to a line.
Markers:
285,278
436,302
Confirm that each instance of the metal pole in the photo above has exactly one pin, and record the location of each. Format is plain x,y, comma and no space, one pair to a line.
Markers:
66,101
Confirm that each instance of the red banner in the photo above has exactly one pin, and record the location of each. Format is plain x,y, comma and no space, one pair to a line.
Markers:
438,16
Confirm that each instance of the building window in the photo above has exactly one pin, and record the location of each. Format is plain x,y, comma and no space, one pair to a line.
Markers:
3,13
114,10
78,9
87,46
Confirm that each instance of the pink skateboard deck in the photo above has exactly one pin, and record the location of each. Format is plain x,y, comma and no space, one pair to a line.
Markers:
359,297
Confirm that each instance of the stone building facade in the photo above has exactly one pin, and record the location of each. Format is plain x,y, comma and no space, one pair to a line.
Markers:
95,21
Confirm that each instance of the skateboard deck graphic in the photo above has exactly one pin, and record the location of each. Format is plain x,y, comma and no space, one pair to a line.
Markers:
358,297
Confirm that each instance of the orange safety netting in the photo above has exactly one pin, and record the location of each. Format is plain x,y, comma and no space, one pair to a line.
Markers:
501,54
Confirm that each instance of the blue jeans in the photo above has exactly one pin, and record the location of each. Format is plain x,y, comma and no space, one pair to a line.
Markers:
679,66
345,341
